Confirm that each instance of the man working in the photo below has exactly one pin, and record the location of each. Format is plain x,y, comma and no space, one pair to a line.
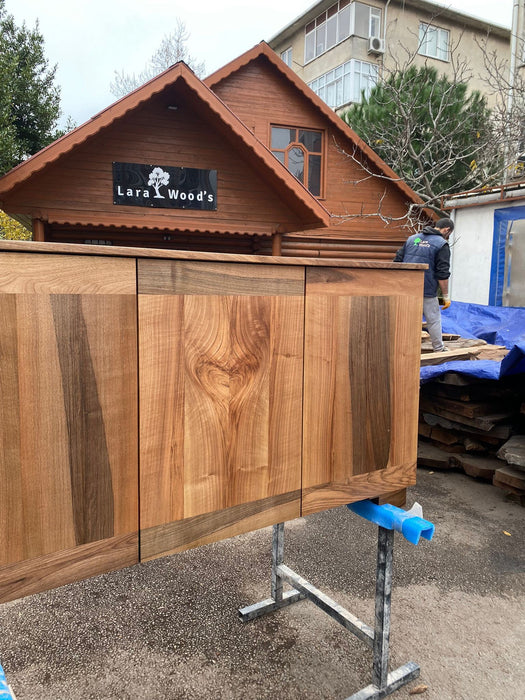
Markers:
431,247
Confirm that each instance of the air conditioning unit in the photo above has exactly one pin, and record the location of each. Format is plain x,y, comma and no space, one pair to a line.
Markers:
376,45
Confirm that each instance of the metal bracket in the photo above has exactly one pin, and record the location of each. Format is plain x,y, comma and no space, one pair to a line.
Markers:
383,682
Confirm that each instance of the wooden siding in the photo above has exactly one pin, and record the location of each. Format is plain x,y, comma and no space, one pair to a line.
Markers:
78,188
261,96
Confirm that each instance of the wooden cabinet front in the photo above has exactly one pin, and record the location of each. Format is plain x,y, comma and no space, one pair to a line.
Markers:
362,340
223,395
68,419
221,363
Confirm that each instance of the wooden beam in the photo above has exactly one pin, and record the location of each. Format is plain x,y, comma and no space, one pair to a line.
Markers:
39,233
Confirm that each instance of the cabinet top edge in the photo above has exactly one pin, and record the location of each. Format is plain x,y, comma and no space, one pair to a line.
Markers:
157,253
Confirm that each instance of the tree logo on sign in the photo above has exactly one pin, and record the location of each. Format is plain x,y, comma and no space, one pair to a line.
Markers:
157,178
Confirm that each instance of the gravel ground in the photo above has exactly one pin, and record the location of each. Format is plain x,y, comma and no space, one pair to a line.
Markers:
169,629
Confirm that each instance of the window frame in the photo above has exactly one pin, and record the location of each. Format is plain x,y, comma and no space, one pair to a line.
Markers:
425,29
316,31
297,144
341,77
286,56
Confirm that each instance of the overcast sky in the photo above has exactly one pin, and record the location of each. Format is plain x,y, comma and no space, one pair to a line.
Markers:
90,39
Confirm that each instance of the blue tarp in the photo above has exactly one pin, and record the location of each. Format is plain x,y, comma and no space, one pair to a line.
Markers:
498,325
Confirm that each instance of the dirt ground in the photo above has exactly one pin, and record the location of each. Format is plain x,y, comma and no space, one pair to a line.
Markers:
169,629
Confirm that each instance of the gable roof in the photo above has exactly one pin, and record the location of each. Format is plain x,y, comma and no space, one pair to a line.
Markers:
291,191
263,50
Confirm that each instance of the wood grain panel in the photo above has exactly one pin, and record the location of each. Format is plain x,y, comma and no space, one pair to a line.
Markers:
221,392
26,273
176,277
212,527
57,569
361,384
370,485
68,434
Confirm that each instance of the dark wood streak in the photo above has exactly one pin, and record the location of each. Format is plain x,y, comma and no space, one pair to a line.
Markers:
369,367
163,538
91,481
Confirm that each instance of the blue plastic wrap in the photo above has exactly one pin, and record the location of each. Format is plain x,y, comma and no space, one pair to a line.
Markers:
498,325
5,693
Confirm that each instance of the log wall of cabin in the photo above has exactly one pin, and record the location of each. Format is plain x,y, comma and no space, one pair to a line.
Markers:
261,96
78,188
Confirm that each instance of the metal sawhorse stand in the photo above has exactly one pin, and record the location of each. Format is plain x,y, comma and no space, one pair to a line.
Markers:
383,682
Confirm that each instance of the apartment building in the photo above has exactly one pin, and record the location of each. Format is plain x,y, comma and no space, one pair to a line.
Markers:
340,49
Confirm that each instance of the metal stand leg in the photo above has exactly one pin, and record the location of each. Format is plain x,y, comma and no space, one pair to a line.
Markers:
383,683
279,599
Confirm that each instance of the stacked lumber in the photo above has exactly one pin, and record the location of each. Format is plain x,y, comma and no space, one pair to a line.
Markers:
459,348
477,426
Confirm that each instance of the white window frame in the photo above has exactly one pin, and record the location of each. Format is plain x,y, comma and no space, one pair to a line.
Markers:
315,41
340,83
442,41
286,56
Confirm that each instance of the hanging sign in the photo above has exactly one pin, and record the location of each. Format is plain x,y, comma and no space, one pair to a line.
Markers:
164,186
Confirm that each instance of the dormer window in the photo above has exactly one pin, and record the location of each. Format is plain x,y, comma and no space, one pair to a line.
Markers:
300,150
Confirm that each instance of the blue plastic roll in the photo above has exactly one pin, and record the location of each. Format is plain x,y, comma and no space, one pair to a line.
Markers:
5,693
411,526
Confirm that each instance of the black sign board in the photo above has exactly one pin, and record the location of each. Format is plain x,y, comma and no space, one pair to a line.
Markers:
164,186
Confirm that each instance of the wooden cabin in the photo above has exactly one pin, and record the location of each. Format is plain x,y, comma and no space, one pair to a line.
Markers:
221,129
165,380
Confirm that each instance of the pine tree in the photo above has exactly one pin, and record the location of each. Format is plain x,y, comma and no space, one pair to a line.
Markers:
433,132
29,99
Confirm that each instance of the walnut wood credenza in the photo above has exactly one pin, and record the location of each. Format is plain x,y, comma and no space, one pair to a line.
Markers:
153,400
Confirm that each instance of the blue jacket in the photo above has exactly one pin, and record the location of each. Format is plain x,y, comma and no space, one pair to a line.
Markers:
431,248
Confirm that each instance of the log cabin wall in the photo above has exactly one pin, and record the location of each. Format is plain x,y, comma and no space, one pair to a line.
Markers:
222,393
74,194
259,94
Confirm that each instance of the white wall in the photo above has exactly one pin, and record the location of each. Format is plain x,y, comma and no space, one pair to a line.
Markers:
471,247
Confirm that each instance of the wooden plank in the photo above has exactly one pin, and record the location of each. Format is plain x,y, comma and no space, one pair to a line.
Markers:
221,396
56,569
439,358
485,423
65,274
470,409
190,278
198,530
494,434
510,478
513,451
369,485
357,349
429,455
479,467
70,466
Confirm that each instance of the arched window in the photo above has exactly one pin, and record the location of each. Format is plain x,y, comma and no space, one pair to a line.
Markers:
300,150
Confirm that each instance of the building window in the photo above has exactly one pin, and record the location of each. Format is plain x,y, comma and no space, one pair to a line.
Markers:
346,83
341,20
300,150
433,42
286,56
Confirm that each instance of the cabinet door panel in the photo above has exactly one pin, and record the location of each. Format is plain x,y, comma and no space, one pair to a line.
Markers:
362,345
68,419
220,357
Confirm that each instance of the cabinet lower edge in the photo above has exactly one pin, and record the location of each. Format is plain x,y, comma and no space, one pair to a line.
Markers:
371,485
180,535
53,570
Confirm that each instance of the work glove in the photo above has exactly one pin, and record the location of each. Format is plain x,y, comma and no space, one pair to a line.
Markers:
446,302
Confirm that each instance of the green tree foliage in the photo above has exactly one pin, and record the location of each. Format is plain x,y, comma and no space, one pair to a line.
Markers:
29,99
433,132
11,230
